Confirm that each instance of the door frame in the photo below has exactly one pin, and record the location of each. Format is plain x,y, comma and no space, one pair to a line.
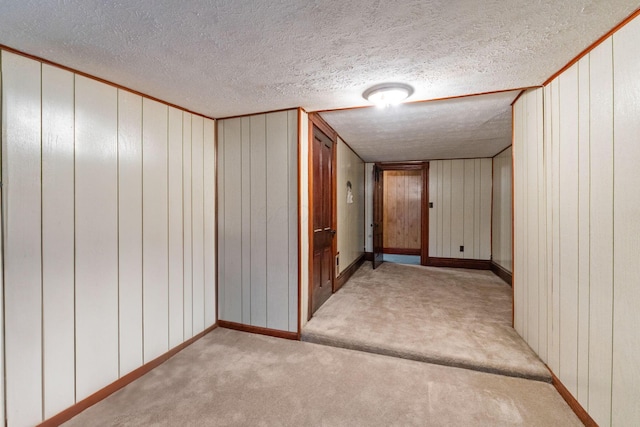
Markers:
316,121
424,203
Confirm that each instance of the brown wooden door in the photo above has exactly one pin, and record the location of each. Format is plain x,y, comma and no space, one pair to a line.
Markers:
402,217
378,230
323,232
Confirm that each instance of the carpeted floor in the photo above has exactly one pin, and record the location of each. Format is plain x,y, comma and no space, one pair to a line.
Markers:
452,317
231,378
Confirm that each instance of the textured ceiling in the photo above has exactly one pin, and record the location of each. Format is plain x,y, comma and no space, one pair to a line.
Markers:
477,126
230,57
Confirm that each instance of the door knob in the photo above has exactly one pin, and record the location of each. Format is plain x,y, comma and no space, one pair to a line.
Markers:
333,232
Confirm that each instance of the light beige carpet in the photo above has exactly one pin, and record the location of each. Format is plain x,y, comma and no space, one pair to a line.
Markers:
452,317
231,378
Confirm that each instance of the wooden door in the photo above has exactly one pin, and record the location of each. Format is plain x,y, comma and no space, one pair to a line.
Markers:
402,217
323,232
378,230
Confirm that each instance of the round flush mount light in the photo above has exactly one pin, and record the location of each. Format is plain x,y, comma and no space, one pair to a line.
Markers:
386,94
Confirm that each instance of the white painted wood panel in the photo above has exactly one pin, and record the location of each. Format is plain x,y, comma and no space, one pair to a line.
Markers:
277,221
626,211
540,216
303,160
485,209
175,197
469,197
583,231
601,232
457,208
130,230
446,209
245,216
258,244
232,281
568,218
477,181
433,208
554,356
501,228
187,226
96,235
519,280
58,246
197,200
292,217
155,239
210,302
548,162
531,217
21,145
440,209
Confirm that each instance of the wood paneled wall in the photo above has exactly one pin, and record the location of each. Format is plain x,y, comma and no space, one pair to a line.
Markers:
460,191
402,209
108,202
350,233
258,220
501,229
576,227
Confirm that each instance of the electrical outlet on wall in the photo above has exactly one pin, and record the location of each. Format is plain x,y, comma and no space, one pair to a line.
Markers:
461,248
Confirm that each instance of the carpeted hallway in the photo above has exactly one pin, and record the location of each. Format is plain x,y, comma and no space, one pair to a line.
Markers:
452,317
231,378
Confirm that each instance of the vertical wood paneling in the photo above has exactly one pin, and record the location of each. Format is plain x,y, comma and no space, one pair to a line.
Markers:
130,230
303,211
187,226
155,238
601,232
58,240
485,209
501,228
210,302
477,177
245,217
292,218
433,211
583,231
96,236
232,278
175,197
469,209
457,207
626,246
540,217
446,209
21,170
258,220
568,219
197,220
554,355
531,215
258,244
277,222
519,280
548,164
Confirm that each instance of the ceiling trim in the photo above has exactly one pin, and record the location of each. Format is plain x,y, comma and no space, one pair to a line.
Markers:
421,101
502,151
592,46
98,79
239,116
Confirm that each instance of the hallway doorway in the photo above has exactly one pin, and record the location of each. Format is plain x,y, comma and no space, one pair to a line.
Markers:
401,214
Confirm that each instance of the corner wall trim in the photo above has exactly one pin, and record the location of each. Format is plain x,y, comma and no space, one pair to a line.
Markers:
572,402
105,392
349,271
473,264
259,330
502,273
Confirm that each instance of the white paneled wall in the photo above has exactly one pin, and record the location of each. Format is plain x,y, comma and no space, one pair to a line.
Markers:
502,207
303,230
350,234
577,303
258,220
460,191
100,256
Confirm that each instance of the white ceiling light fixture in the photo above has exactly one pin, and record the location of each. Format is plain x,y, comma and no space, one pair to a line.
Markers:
387,94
